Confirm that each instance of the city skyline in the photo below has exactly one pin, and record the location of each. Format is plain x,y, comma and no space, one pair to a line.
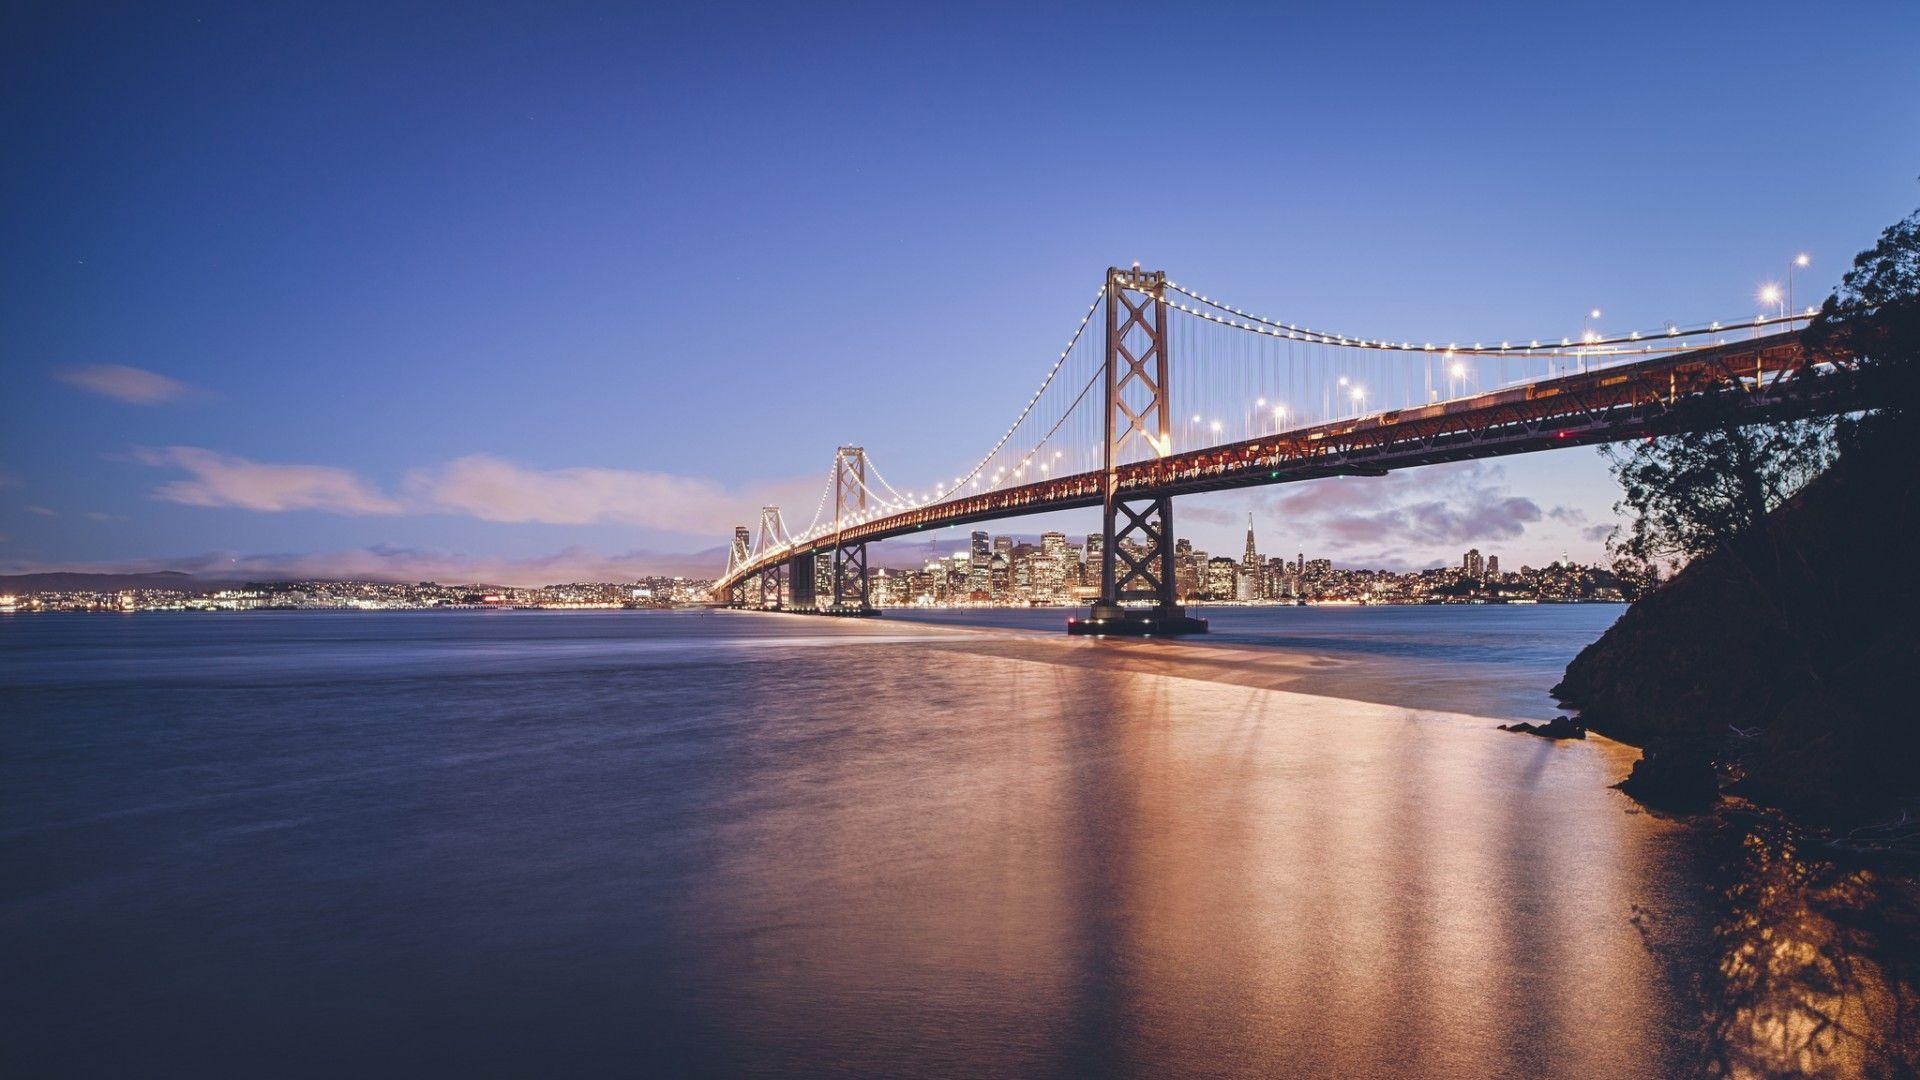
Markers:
572,356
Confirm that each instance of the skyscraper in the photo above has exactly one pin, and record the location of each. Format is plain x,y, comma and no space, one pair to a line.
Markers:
1250,567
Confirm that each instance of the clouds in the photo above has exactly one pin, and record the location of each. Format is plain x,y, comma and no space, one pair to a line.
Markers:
479,486
1416,509
225,480
131,385
494,489
386,562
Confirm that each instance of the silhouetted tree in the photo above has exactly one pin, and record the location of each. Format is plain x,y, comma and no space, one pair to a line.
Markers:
1877,309
1702,491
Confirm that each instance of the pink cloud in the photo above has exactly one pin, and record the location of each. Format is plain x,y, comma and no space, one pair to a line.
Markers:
391,563
481,486
494,489
1444,504
135,386
225,480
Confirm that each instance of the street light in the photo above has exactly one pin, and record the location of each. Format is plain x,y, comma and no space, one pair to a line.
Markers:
1800,261
1770,294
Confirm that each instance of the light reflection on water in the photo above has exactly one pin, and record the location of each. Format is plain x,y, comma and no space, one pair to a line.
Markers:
719,844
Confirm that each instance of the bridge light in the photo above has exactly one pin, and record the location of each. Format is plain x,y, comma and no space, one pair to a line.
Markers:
1459,371
1594,314
1801,259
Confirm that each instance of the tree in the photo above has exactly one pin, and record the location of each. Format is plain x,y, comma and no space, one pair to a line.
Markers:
1876,310
1703,491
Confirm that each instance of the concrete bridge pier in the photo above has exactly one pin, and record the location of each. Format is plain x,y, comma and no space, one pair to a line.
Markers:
800,582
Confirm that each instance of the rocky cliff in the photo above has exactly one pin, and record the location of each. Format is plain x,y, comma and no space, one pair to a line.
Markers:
1794,659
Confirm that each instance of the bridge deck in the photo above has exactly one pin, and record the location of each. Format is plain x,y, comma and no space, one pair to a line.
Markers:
1770,377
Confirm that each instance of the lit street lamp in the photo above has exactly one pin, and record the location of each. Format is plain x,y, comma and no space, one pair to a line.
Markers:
1770,294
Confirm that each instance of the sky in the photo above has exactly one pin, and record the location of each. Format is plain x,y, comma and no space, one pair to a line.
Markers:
539,293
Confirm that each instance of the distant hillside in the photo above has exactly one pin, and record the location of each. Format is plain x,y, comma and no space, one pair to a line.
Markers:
67,582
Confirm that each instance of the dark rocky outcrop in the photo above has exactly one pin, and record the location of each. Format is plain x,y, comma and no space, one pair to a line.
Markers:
1674,774
1560,727
1793,658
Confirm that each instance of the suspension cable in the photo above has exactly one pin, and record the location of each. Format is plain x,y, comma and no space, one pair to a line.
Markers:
1668,339
1055,370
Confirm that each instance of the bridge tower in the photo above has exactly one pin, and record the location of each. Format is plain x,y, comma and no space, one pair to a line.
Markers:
738,554
1136,557
773,533
848,592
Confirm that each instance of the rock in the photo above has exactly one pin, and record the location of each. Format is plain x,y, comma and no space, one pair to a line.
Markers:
1673,775
1802,636
1560,727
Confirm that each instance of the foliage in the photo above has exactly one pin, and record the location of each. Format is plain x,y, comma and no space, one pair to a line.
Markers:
1877,308
1702,491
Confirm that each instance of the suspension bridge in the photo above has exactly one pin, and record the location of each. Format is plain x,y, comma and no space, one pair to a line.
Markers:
1184,393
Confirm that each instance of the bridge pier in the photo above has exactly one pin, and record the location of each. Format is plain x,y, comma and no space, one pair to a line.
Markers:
1136,557
800,582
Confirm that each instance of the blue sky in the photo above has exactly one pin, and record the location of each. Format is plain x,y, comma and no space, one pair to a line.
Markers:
523,291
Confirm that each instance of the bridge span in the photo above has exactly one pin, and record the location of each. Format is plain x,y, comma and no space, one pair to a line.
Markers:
1604,389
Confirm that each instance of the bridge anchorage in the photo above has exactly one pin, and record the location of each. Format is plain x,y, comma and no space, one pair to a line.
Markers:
1136,531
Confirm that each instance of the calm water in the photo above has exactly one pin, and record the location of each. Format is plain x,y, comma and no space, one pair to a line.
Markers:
630,844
